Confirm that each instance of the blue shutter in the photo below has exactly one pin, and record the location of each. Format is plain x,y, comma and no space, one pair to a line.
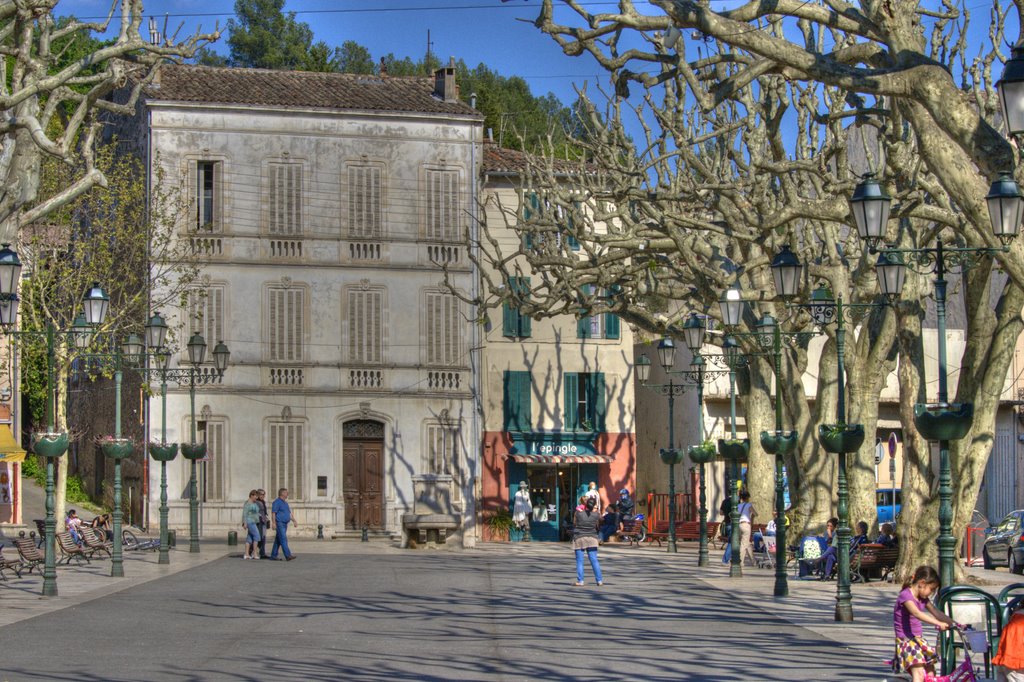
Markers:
596,401
583,328
571,238
524,322
516,400
570,409
509,320
611,326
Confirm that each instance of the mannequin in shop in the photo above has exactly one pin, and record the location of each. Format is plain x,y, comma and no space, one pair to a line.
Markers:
592,492
522,508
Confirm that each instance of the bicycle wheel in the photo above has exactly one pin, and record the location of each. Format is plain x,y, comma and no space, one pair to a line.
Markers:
129,539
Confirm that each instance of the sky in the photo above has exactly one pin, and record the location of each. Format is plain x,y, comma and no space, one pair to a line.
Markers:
487,31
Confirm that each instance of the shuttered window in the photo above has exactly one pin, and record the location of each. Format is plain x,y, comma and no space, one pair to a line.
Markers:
286,458
205,308
517,403
514,323
443,330
211,475
605,326
443,205
285,199
365,326
441,454
364,202
584,404
206,196
286,324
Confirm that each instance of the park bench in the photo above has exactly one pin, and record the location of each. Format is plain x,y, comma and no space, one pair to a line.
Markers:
41,530
685,530
632,531
93,542
70,549
871,560
13,565
31,555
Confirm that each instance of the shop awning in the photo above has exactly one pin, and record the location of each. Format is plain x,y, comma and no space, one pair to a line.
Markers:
10,451
563,459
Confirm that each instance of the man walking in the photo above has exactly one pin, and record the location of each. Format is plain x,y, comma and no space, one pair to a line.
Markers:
263,523
280,517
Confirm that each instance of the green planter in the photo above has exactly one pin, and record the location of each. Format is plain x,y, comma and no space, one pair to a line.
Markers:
778,442
50,444
193,450
734,450
117,448
163,452
673,456
702,454
944,422
837,438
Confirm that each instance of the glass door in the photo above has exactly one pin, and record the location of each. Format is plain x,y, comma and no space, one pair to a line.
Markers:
544,494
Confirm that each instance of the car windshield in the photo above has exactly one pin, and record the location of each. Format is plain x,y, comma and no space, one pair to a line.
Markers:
1008,524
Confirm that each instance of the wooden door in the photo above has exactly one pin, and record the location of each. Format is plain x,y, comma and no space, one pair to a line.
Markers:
363,485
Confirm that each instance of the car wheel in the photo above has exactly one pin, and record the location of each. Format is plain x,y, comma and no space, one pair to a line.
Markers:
1013,564
987,560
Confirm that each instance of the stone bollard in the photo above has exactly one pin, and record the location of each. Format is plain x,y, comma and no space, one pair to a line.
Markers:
320,531
366,533
232,538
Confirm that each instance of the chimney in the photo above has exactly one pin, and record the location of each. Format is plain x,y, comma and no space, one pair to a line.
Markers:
444,83
383,67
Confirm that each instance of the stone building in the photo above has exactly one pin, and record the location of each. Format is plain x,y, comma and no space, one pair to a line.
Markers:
321,206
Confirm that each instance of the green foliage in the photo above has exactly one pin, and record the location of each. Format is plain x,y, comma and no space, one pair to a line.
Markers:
500,522
354,58
34,469
76,491
264,37
207,57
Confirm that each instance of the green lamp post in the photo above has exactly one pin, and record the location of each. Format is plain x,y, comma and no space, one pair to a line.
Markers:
940,421
734,451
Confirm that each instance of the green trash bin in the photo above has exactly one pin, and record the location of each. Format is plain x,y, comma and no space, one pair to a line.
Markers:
232,538
172,538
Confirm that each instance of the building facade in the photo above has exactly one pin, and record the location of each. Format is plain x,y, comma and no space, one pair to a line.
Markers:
321,207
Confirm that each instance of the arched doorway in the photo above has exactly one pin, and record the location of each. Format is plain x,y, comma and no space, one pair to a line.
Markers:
362,466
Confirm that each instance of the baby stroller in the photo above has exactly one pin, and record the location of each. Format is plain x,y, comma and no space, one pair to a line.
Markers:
972,641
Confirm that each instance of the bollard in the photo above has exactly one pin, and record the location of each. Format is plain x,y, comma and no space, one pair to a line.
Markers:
21,533
320,531
232,538
366,533
172,538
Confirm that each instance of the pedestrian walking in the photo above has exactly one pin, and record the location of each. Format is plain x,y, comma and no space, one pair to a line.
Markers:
263,523
280,517
250,517
584,541
747,514
914,653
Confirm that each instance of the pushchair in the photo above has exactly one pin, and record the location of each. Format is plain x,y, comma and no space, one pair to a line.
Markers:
972,641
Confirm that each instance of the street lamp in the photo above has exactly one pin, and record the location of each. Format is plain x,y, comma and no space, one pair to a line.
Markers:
870,206
943,421
1011,90
734,450
51,444
670,456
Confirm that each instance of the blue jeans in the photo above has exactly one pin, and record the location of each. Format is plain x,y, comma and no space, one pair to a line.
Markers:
281,540
594,564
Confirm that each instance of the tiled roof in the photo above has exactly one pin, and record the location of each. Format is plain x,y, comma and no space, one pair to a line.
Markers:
501,160
261,87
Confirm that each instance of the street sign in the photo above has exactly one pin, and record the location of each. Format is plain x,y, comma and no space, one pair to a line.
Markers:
879,451
892,445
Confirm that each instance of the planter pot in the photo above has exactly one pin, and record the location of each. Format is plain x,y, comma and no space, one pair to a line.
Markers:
193,450
701,454
163,452
734,450
778,442
119,448
944,422
837,438
673,456
50,444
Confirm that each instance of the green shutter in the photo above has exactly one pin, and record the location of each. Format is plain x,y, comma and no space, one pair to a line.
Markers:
570,408
596,400
525,417
517,406
583,328
611,326
509,320
524,322
531,205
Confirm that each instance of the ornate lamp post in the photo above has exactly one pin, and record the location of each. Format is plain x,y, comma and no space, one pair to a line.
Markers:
1011,90
734,450
943,421
156,334
670,456
51,444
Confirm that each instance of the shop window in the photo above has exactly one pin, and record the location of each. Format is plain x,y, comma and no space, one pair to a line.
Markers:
584,401
517,405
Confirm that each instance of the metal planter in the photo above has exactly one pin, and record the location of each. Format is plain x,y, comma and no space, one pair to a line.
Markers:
734,450
778,442
837,438
944,421
193,450
702,454
671,456
50,444
117,448
163,452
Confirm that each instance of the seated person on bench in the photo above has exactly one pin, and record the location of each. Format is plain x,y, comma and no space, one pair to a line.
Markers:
887,538
73,524
609,523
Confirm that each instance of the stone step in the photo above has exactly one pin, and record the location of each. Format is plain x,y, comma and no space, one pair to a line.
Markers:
372,536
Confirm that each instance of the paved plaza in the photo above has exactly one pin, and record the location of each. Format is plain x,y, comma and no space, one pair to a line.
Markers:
369,611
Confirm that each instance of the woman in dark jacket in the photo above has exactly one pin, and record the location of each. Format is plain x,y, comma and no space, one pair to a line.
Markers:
584,540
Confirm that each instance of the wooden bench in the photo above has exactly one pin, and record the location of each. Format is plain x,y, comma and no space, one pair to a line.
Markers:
70,549
685,530
632,531
93,542
874,560
13,565
31,555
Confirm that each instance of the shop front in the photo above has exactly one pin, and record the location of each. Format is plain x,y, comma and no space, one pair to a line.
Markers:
557,468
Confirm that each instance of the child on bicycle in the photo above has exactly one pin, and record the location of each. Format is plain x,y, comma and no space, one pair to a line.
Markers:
912,608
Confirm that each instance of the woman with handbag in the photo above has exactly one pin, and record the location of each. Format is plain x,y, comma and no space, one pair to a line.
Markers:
585,540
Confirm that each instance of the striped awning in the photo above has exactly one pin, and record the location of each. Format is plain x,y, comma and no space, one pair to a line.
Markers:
563,459
10,451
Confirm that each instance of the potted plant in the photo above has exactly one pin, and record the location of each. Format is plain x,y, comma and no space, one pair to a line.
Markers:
734,449
193,450
671,456
500,525
116,448
944,421
778,442
703,453
49,444
837,438
163,452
